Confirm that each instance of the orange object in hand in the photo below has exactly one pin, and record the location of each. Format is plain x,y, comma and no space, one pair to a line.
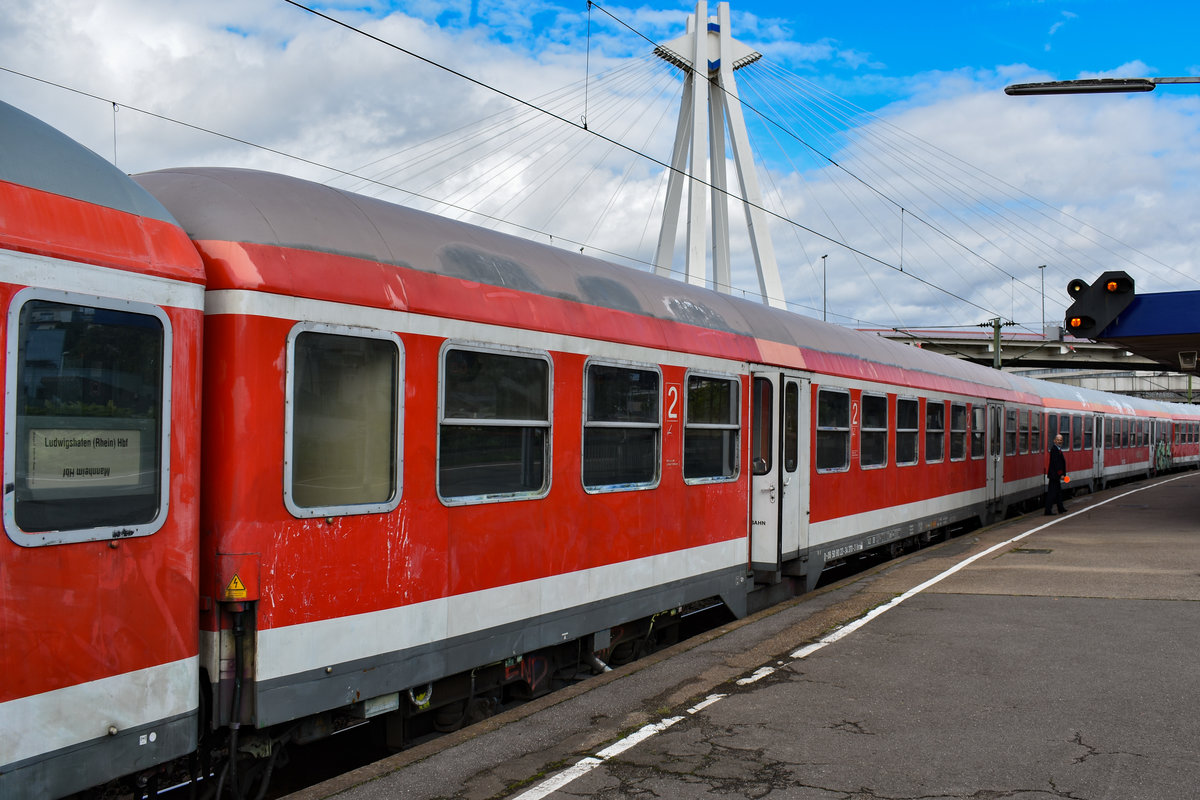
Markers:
1066,478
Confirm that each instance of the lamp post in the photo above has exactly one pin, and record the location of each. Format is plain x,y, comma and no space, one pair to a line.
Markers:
1042,272
824,288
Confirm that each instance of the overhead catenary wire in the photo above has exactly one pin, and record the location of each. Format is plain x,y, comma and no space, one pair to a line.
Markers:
837,136
771,213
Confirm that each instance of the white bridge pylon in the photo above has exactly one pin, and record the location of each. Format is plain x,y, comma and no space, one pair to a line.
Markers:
708,55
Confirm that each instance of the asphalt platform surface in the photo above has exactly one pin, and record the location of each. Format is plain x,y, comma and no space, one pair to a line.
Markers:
1062,662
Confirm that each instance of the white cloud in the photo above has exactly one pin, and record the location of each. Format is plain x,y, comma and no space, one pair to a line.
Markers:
276,76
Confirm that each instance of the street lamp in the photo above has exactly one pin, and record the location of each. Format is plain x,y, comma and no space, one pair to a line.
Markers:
824,288
1042,272
1093,86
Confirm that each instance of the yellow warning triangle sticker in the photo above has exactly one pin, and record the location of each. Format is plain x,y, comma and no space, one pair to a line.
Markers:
236,590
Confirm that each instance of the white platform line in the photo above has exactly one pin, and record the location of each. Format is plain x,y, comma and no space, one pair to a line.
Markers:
586,765
850,628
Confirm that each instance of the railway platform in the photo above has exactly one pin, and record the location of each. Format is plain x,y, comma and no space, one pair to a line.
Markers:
1042,657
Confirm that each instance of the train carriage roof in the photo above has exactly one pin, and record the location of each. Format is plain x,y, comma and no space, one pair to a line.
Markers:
37,155
251,207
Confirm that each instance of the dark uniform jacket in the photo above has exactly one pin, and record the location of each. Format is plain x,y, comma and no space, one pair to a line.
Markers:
1057,466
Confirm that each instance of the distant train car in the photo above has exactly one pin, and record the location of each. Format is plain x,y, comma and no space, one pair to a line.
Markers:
101,294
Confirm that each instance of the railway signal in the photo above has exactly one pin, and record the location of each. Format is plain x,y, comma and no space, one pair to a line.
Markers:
1095,306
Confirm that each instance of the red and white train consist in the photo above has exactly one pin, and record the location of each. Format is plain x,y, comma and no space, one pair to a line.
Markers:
277,457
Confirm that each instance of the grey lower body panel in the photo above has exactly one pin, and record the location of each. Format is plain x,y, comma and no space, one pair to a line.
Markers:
82,766
294,696
822,554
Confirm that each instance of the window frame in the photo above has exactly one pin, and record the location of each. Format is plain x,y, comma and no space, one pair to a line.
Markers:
443,421
11,422
1035,431
289,424
958,434
935,434
735,406
828,429
762,425
915,433
863,430
1011,430
657,427
978,432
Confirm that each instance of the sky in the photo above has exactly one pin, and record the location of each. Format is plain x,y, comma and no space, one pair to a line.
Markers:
270,85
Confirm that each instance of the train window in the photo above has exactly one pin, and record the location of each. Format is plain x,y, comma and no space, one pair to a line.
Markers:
1023,422
1108,433
1125,432
494,437
907,430
341,444
935,430
88,405
1077,433
833,430
978,430
1051,428
712,430
1035,432
873,437
621,427
763,419
1010,432
1064,430
1088,427
958,431
791,426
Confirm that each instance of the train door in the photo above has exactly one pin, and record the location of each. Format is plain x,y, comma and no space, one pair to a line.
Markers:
779,457
995,449
1097,449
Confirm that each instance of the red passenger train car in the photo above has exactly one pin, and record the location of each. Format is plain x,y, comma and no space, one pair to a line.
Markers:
428,465
102,296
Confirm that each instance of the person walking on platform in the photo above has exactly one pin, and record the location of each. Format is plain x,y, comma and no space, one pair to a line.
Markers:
1055,470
